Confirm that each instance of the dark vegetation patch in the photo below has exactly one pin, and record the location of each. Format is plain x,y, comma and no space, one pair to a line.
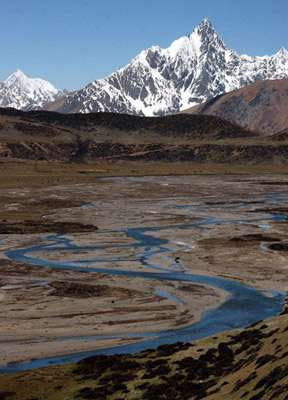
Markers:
194,378
39,226
181,390
240,383
272,378
278,247
36,129
246,339
80,290
264,360
167,350
93,367
285,310
278,390
258,396
254,238
6,395
55,203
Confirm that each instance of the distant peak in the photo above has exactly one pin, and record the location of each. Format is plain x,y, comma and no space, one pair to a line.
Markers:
282,50
18,72
206,34
205,23
205,28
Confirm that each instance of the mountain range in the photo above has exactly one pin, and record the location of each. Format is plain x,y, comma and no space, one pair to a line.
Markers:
160,81
156,82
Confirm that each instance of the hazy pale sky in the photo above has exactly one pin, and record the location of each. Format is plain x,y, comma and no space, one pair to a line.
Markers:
72,42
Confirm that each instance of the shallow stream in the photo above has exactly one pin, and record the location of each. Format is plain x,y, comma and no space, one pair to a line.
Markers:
242,307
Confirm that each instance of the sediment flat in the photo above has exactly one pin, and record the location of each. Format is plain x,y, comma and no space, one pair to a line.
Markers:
41,304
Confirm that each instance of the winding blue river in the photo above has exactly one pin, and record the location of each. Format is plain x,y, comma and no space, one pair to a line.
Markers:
242,307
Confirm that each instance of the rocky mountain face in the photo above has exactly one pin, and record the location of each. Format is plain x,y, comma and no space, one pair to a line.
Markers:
19,91
162,81
261,106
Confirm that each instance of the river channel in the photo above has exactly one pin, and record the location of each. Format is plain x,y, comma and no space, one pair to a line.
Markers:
243,306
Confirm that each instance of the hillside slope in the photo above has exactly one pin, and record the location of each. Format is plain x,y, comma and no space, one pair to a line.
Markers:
261,106
250,364
112,137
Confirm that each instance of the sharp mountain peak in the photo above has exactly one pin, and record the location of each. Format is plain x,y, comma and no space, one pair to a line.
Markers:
158,81
20,92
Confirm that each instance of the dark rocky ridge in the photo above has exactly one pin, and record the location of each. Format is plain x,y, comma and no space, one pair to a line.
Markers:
198,126
112,137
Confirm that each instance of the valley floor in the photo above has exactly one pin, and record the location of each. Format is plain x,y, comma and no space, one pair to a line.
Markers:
39,305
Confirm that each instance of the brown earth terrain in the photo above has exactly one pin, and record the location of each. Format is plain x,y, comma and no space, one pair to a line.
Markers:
40,304
261,106
102,125
108,138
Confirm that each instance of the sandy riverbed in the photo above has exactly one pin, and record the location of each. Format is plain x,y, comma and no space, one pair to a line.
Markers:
29,313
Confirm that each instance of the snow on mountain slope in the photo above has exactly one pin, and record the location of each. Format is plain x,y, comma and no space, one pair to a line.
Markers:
19,91
162,81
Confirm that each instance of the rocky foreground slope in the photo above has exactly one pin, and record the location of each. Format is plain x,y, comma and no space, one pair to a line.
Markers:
163,81
250,364
261,106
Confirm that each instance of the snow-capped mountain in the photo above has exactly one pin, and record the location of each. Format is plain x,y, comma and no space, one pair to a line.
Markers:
19,91
159,81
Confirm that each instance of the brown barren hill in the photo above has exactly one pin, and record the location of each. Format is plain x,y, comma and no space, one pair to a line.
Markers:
261,106
98,136
58,103
111,137
177,126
